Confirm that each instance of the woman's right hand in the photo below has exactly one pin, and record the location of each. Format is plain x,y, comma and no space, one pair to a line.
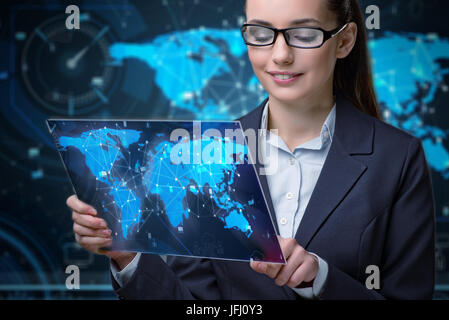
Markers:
92,232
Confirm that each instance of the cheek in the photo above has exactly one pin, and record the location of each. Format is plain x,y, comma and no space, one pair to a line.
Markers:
318,64
258,59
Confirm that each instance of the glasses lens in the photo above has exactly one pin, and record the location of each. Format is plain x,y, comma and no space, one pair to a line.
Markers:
258,35
305,37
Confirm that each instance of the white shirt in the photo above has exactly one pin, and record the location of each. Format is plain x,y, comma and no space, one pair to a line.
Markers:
291,178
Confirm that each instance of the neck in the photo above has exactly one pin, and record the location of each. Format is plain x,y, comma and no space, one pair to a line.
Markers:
299,121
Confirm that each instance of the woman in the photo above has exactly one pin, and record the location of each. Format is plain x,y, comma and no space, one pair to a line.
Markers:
352,198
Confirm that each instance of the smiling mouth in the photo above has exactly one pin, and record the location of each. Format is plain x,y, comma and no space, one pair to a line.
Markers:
285,76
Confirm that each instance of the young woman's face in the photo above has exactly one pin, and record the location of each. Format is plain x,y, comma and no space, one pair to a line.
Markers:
315,65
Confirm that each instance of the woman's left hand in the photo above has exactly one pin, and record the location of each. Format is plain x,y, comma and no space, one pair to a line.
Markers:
301,265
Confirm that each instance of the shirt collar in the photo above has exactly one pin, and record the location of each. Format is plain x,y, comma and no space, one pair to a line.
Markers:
327,130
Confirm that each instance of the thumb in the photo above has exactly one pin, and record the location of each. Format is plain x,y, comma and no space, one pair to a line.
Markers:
258,266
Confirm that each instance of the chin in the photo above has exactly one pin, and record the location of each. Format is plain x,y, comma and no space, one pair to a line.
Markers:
287,95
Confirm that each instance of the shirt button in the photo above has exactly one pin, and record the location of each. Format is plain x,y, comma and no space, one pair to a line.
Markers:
292,161
326,135
289,195
283,221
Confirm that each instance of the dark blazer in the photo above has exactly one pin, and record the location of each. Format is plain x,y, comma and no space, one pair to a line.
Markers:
372,205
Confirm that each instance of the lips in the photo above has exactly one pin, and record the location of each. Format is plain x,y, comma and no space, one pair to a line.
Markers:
283,73
284,77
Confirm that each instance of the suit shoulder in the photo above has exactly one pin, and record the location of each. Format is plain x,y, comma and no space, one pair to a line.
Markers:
387,132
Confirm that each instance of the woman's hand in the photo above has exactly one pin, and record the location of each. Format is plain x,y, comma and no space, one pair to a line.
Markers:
301,265
92,232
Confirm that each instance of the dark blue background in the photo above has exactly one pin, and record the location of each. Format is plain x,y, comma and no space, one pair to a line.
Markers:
36,237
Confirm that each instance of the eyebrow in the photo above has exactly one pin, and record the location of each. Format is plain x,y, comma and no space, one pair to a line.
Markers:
292,23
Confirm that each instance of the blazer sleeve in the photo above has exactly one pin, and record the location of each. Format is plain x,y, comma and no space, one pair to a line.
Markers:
408,255
179,278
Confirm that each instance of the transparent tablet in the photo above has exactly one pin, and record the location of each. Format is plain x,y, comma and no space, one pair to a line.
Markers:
183,188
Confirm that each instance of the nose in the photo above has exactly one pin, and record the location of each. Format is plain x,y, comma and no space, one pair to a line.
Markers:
282,52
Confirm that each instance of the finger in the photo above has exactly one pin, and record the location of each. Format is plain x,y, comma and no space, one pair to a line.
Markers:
93,243
92,248
287,246
88,221
304,273
273,269
77,205
259,267
268,269
84,231
293,262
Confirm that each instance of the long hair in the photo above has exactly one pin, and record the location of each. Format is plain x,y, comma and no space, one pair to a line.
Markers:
353,75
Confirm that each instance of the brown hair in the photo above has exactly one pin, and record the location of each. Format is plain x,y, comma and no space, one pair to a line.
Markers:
352,75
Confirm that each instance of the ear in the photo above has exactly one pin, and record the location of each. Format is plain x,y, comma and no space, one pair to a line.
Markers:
346,40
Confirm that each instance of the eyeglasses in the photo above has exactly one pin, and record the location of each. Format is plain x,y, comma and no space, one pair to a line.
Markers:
298,37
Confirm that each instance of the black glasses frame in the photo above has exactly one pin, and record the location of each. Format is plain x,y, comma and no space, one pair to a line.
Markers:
327,34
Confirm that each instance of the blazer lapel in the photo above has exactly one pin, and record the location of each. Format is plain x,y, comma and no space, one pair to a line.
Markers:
354,132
